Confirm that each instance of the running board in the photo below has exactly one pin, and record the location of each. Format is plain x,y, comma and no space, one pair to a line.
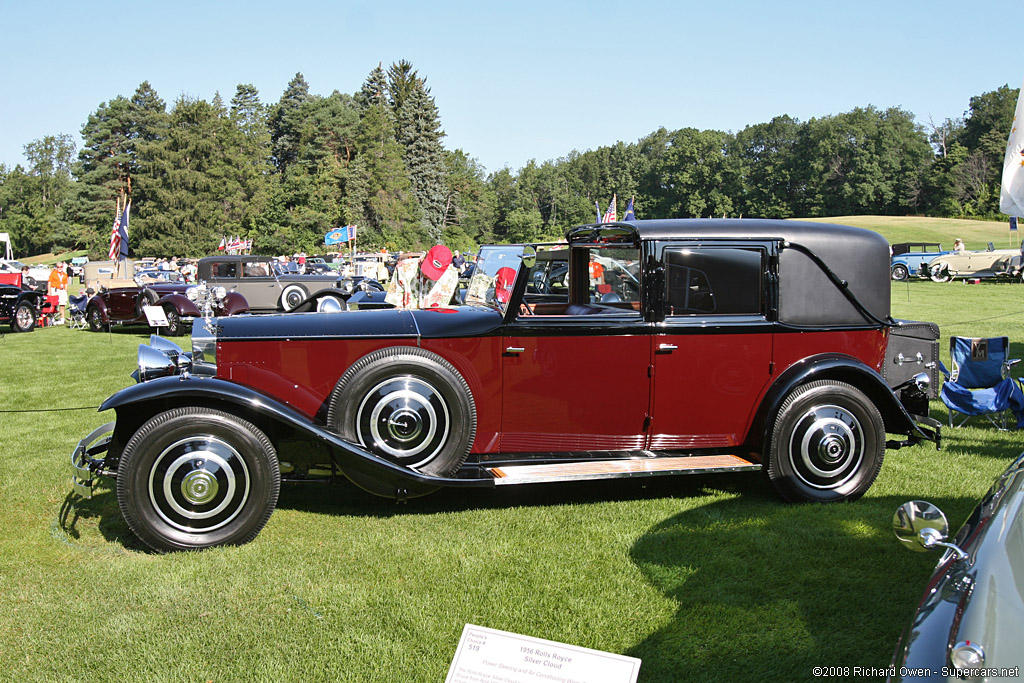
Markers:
618,469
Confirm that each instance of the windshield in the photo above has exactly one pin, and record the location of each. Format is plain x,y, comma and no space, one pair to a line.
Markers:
495,273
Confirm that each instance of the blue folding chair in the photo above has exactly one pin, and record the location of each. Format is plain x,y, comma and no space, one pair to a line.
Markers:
980,383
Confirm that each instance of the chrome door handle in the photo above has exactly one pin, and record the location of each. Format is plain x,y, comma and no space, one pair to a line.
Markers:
667,347
514,349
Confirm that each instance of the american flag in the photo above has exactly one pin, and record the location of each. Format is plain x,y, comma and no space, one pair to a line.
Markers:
115,236
611,214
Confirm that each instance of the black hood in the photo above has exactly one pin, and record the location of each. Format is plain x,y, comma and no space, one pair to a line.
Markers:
460,321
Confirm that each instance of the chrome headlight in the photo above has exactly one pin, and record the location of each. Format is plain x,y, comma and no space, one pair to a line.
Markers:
162,358
193,293
219,293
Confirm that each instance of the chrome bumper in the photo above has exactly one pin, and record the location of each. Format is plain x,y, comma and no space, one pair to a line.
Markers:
85,468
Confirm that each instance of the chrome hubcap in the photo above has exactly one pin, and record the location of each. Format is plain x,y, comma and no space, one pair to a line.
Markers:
199,484
405,420
826,446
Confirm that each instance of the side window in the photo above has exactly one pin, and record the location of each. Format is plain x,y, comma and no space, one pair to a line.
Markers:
615,277
718,280
256,269
228,269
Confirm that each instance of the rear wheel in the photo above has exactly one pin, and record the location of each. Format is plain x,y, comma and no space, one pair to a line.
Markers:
95,319
900,272
292,296
827,444
192,478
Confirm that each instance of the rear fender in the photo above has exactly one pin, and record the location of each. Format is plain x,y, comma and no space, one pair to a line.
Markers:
234,303
841,369
138,403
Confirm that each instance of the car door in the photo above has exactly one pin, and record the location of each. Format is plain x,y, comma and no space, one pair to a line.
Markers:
576,379
712,350
258,284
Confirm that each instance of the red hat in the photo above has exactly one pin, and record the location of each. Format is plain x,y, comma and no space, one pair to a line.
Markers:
503,283
436,261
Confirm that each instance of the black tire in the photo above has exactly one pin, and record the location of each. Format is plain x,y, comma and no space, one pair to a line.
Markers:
95,319
193,478
175,328
827,444
24,319
940,273
292,296
900,272
408,406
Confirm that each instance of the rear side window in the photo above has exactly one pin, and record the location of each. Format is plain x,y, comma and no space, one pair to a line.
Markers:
714,280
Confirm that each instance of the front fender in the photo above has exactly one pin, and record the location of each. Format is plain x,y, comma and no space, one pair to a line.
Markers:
838,368
142,401
234,303
185,307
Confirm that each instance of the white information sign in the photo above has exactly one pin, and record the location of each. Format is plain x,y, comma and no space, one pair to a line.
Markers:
155,316
486,655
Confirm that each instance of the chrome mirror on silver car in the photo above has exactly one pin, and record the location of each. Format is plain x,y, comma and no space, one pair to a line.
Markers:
921,526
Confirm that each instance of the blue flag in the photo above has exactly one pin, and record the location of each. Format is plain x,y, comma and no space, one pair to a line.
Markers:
629,215
336,236
123,250
597,207
1013,223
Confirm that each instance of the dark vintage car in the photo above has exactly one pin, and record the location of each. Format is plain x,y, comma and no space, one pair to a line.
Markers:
750,345
270,286
969,624
123,302
19,307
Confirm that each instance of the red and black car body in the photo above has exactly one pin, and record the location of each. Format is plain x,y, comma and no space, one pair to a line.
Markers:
124,302
697,346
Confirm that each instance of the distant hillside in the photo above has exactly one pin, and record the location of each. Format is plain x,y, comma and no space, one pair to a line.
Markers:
975,234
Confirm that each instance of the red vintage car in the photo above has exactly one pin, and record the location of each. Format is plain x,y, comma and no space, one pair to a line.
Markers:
698,346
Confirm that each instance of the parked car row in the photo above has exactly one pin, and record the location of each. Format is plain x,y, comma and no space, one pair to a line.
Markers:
928,260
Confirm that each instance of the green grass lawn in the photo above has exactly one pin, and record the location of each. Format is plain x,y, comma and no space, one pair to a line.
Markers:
703,578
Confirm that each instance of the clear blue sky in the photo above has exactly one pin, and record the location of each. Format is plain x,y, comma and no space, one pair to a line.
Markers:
519,80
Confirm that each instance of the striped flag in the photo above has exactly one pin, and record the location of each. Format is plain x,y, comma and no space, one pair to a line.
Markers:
119,234
611,214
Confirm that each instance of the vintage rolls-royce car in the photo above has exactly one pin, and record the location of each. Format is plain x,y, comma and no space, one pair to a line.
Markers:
123,302
748,345
969,624
270,287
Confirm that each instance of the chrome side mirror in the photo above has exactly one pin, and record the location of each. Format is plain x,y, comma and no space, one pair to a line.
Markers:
921,526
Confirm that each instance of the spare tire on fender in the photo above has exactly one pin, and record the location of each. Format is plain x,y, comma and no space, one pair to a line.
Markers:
408,406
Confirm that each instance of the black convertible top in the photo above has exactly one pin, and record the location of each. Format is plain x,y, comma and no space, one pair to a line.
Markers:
807,295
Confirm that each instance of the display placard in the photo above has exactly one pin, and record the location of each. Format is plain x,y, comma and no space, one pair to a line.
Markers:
486,655
155,316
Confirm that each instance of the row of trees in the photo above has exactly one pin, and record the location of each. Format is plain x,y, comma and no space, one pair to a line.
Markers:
285,174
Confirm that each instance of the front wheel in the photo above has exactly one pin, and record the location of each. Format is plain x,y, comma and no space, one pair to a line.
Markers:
24,319
900,272
827,444
193,478
174,325
940,273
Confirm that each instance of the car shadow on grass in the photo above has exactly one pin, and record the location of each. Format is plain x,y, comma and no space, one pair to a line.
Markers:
344,498
767,591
